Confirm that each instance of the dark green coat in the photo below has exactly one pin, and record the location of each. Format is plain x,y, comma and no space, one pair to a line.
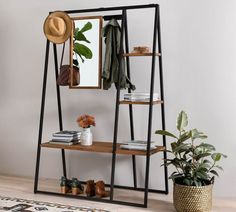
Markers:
112,35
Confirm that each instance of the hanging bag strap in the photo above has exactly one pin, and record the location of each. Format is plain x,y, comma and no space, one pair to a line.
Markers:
64,75
62,54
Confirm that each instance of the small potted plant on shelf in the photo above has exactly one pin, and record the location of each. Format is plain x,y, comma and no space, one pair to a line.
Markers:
86,121
195,164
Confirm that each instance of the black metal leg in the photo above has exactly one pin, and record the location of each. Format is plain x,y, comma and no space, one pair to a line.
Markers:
117,110
130,106
59,106
162,98
41,117
150,110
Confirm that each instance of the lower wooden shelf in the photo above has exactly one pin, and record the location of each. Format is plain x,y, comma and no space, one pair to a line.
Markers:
102,147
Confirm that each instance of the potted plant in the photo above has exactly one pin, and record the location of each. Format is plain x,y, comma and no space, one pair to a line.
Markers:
195,166
85,121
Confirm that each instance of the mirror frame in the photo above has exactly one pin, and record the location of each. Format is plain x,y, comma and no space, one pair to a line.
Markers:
100,18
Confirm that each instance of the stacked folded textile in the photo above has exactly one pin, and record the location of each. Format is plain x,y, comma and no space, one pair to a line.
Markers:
144,97
137,145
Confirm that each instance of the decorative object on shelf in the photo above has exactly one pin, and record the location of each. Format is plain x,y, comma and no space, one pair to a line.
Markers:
66,137
76,186
85,121
86,45
137,145
64,78
100,190
90,188
140,97
141,49
57,27
195,166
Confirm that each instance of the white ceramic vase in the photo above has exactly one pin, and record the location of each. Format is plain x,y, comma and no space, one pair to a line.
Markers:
86,138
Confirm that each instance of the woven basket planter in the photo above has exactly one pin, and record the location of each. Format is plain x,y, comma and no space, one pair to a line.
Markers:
192,198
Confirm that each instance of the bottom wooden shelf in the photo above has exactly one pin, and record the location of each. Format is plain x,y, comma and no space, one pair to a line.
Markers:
102,147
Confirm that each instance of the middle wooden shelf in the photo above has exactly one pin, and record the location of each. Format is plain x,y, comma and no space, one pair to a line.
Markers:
102,147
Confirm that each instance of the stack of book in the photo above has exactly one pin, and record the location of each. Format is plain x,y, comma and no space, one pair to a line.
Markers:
140,97
137,145
66,137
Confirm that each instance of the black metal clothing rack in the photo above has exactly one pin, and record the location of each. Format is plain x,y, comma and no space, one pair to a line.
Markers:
114,146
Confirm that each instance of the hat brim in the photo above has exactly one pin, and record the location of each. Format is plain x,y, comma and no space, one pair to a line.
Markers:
66,35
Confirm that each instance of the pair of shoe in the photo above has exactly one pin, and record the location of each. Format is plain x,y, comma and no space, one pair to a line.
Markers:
71,186
96,189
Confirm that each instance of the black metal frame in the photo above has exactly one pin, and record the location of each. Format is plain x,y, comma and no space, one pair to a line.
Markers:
124,37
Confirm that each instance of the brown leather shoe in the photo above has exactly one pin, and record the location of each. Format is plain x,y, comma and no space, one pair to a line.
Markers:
100,190
90,188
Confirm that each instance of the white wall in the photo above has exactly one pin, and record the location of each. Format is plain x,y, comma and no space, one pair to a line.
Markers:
199,49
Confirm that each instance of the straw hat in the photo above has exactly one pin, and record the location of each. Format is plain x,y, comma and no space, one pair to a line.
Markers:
57,27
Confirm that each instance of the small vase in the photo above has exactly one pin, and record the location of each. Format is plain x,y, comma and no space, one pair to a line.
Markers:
86,138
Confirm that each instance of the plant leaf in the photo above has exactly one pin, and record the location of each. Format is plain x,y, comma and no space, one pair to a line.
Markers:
188,181
202,175
202,155
76,30
81,37
182,121
181,148
174,176
214,172
163,132
81,57
185,136
216,156
219,167
206,146
86,27
75,62
197,183
83,50
173,146
197,134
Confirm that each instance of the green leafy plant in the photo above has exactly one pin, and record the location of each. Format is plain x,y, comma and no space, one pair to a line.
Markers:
79,48
196,164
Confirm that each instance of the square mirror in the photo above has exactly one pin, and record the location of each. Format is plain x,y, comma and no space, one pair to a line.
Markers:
86,52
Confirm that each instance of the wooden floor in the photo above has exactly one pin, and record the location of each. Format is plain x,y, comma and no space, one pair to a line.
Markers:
23,188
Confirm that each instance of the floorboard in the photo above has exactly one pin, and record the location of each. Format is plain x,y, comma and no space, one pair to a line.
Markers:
23,188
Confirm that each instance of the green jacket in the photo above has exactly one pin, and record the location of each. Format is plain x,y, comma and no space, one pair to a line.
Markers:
112,35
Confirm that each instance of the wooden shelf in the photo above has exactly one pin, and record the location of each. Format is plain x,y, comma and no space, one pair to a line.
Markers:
139,54
140,103
102,147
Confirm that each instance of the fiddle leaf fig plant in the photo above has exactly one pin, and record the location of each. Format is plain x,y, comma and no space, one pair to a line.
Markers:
195,163
79,48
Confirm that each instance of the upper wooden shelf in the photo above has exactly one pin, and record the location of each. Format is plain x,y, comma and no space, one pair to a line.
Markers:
140,103
139,54
102,147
